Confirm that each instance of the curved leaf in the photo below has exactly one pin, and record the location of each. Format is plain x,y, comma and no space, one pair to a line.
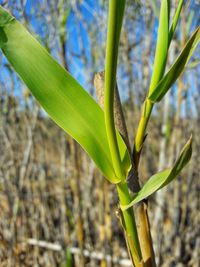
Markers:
175,71
161,46
161,179
63,98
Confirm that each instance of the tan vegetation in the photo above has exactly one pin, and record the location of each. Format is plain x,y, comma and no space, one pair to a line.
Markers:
53,199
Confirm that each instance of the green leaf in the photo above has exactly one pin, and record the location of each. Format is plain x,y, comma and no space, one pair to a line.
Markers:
161,179
175,21
63,98
161,46
175,71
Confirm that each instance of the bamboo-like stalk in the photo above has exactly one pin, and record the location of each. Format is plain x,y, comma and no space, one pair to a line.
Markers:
129,225
119,120
141,210
113,34
144,233
143,226
158,71
116,10
127,218
141,131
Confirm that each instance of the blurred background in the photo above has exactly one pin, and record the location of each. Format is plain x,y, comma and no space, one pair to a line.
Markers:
55,207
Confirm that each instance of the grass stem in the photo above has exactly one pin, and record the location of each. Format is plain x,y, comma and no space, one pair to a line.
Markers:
128,221
115,17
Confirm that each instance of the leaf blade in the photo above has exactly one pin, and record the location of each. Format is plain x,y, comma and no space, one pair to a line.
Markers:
175,21
161,179
171,76
63,98
161,46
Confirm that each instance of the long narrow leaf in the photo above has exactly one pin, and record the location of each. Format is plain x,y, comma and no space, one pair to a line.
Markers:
161,46
175,21
161,179
178,67
63,98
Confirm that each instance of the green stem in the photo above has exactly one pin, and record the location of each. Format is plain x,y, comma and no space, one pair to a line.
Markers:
129,224
116,9
139,139
160,60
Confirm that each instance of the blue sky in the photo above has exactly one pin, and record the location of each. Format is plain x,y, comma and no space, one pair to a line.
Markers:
75,31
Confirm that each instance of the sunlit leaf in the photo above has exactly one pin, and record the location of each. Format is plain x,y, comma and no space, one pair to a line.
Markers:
175,21
161,179
168,80
161,46
63,98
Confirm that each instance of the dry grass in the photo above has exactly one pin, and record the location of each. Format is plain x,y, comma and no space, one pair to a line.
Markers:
51,191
